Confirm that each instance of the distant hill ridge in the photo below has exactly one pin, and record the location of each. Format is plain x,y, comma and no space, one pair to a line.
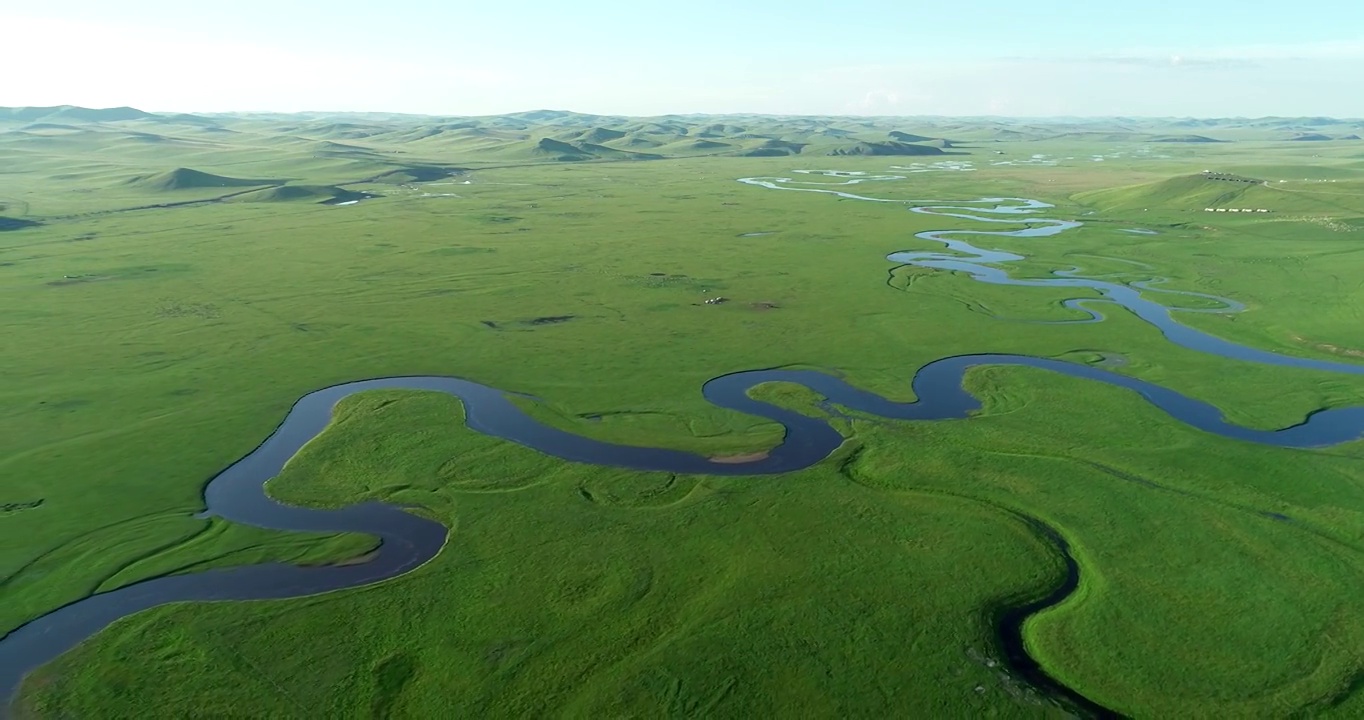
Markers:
891,147
72,112
330,147
710,123
1184,139
187,178
300,193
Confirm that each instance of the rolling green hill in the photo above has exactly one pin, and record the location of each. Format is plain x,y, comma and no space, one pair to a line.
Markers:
187,178
1186,192
299,193
61,113
547,148
598,135
49,126
416,174
1196,193
1184,139
558,150
907,137
892,147
774,148
602,152
634,140
695,146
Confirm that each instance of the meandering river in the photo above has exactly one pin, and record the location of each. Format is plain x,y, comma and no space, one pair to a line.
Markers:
408,541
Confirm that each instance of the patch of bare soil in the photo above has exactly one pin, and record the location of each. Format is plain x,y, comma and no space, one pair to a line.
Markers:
1328,347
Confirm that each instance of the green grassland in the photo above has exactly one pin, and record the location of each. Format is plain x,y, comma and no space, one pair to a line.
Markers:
173,284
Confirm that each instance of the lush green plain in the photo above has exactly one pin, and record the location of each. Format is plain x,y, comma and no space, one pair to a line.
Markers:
864,586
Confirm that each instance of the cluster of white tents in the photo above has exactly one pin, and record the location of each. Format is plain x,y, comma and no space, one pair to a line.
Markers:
1256,210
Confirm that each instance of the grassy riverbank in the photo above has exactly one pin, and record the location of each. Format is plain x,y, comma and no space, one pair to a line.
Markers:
147,349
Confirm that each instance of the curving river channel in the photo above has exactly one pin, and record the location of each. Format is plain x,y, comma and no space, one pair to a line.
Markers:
407,541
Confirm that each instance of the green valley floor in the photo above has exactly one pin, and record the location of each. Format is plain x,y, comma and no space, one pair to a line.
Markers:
159,321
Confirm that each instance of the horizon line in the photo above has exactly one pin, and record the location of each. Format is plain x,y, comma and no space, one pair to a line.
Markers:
694,114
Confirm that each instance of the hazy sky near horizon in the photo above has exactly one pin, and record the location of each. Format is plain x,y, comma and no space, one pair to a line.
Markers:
862,57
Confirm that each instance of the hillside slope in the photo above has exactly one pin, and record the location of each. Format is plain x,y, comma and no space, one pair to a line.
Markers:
188,178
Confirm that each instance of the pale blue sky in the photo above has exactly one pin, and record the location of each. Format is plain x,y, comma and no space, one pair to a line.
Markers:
462,57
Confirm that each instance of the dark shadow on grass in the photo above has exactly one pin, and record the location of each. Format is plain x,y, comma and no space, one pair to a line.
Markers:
391,676
9,223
